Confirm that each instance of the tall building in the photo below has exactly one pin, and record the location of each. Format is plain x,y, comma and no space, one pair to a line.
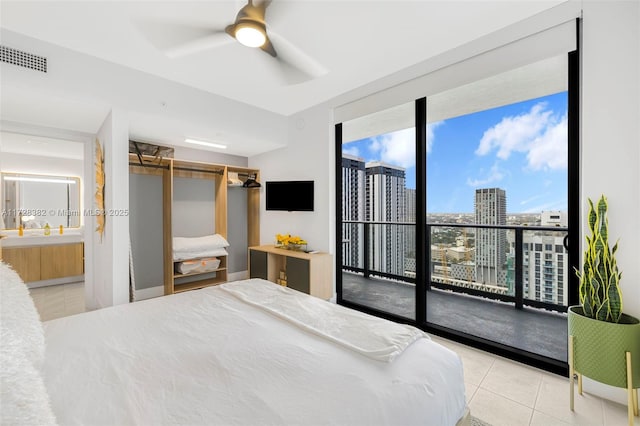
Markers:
353,208
491,244
410,214
386,202
410,232
546,268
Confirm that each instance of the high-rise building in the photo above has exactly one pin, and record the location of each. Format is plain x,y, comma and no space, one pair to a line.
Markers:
386,202
410,215
491,244
353,209
546,268
410,232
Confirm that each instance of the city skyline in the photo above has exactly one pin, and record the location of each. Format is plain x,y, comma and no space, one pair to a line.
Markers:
520,147
481,259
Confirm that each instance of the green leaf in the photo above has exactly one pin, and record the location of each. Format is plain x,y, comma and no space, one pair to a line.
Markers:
599,290
591,217
614,298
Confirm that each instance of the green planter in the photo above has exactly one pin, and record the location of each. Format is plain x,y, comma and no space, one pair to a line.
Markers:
599,348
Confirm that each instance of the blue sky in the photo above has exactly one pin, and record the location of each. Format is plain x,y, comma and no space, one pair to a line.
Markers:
521,148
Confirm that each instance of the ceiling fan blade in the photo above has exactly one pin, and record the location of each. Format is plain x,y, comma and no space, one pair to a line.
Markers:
231,30
179,39
295,57
208,42
268,47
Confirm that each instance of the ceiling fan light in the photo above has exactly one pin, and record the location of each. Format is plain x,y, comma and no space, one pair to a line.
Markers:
250,35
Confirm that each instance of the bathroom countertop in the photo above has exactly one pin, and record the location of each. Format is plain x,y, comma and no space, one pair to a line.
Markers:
32,238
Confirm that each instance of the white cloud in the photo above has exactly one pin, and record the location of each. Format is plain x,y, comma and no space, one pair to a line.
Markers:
494,175
431,127
353,150
530,199
539,133
551,205
375,145
549,150
396,148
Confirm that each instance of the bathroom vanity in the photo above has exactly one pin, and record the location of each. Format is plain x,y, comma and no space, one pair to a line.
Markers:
35,209
45,260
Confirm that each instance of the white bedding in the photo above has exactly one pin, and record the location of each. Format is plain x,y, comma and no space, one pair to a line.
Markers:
206,357
365,334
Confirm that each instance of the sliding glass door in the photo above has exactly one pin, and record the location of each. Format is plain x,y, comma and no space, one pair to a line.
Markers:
378,216
455,211
497,208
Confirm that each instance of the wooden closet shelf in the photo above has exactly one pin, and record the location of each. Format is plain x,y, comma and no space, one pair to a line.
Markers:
191,274
200,258
178,288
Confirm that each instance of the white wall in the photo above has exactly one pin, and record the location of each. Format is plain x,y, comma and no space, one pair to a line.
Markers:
35,164
610,125
189,154
309,156
107,278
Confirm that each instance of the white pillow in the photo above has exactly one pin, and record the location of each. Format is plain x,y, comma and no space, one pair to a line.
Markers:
18,316
188,244
24,397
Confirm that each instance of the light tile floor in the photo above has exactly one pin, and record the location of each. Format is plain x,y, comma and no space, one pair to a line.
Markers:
506,393
499,391
59,300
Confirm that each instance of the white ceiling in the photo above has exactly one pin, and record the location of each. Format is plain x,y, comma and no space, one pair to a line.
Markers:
357,42
16,143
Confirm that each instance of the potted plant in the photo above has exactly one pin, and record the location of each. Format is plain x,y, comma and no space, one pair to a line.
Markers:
604,343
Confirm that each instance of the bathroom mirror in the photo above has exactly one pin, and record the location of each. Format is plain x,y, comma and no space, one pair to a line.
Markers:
35,200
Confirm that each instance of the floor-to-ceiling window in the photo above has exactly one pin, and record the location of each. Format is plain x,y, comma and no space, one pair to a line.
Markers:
477,249
497,208
378,194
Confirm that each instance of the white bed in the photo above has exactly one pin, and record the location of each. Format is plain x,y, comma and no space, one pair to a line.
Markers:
206,357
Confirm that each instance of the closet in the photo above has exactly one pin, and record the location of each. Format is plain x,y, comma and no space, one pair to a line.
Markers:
175,198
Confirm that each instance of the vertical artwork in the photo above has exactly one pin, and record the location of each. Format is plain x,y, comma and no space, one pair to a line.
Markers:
99,195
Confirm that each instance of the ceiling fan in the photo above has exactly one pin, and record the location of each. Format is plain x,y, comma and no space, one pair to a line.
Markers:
250,29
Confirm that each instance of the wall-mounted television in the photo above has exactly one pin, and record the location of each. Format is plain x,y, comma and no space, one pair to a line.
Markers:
290,195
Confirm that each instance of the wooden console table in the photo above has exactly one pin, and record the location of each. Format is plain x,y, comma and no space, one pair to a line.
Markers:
309,273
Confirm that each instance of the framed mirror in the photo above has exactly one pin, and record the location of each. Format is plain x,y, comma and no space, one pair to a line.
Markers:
35,200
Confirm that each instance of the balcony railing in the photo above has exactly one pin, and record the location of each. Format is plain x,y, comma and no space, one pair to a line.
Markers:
479,260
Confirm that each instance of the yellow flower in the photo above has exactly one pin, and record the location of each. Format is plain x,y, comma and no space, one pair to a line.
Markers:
288,239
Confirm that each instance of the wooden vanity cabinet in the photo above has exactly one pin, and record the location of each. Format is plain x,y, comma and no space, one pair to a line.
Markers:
46,262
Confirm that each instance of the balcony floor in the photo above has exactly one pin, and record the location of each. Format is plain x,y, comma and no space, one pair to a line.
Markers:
533,330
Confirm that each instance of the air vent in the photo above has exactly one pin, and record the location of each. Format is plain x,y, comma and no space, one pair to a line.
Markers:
23,59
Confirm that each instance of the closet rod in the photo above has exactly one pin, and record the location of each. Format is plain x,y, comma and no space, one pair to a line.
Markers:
189,169
153,166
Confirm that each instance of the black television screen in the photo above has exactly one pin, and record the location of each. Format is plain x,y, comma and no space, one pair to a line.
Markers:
290,195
